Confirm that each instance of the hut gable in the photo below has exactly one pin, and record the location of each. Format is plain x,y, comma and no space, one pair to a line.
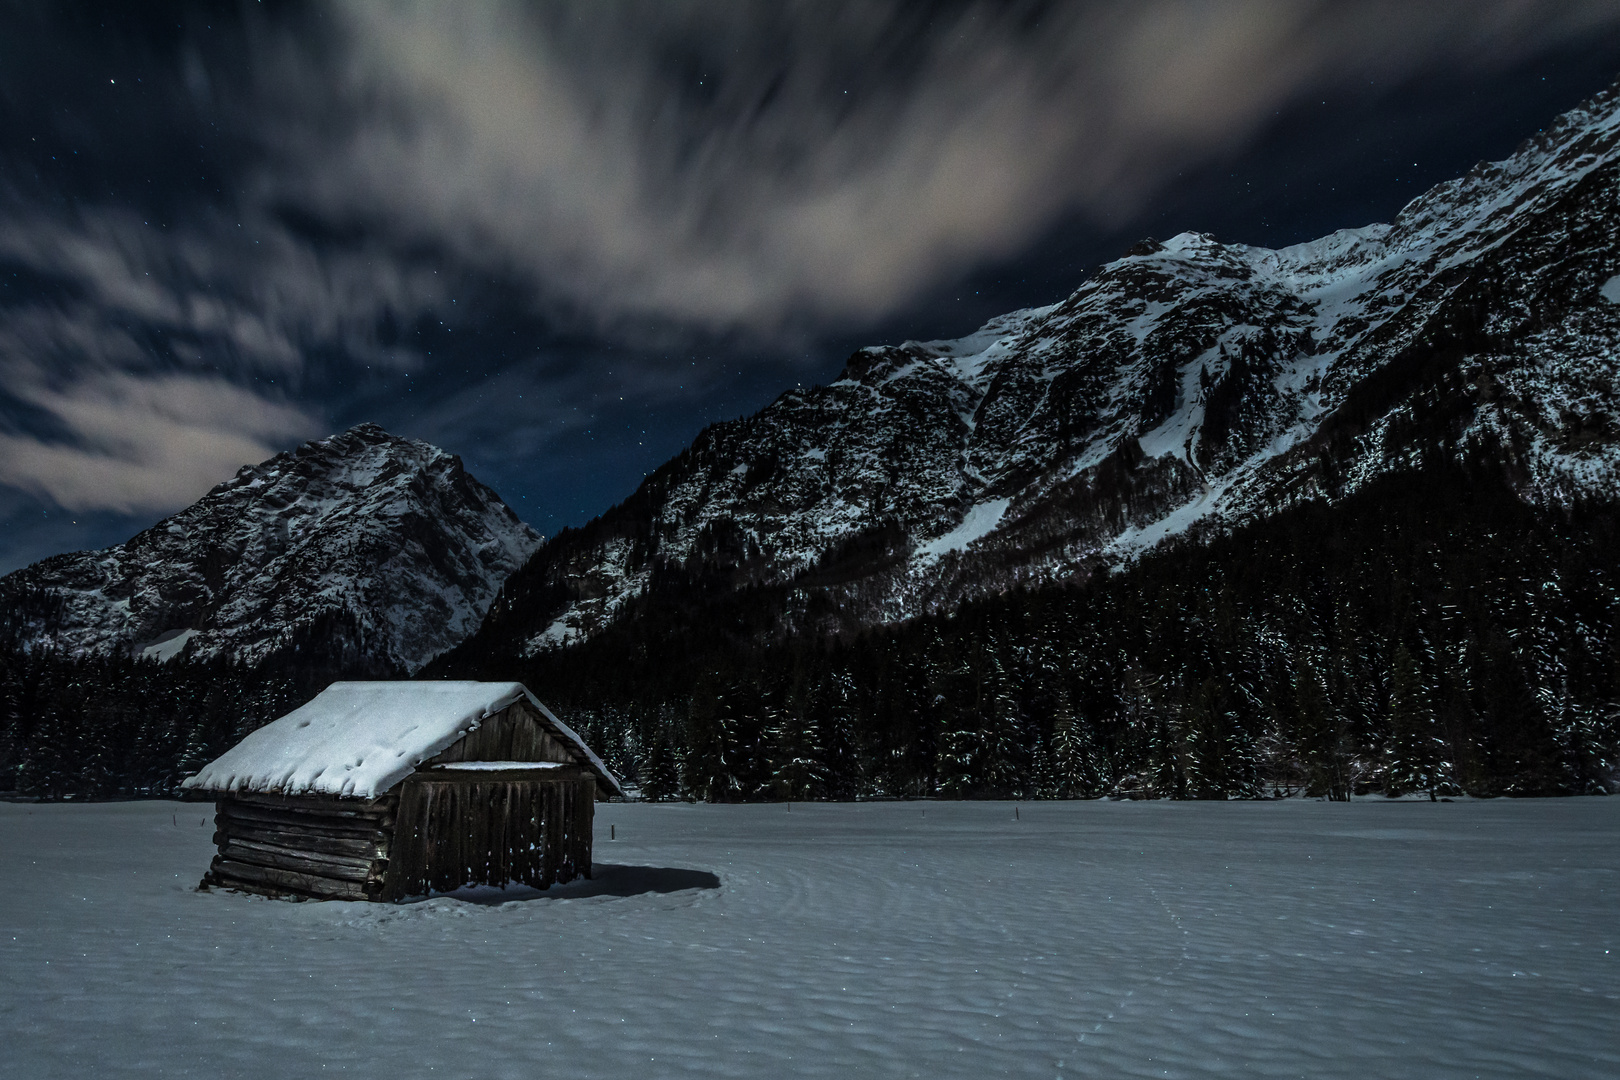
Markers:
360,739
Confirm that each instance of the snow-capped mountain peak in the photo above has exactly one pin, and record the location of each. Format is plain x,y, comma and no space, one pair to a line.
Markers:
1188,384
363,541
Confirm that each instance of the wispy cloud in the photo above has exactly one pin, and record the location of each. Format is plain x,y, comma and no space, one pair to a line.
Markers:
727,165
240,287
772,171
152,362
137,444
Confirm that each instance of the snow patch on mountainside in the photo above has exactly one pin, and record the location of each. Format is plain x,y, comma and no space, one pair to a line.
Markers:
979,521
167,646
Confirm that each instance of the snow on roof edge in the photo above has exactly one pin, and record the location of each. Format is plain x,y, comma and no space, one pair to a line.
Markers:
596,763
361,739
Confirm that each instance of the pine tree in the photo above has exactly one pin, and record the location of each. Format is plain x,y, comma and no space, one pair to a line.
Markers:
1000,744
1219,762
660,780
1321,736
710,728
1521,748
1155,716
843,760
1416,748
1044,782
1080,766
795,756
955,769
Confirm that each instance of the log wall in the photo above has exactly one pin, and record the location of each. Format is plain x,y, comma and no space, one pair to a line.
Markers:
313,845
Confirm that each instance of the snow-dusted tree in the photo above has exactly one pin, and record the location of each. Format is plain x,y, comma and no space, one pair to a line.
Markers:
1081,765
1417,758
711,728
1217,758
1043,774
955,767
1321,734
1000,732
795,758
660,773
843,768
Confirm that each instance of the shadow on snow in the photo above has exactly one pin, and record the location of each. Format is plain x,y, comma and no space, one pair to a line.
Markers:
608,880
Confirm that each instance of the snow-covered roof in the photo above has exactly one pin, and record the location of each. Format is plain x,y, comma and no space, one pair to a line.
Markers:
359,739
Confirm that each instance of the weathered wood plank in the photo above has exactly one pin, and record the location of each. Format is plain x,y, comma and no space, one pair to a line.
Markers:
306,813
447,806
441,844
231,874
321,805
300,840
294,859
284,860
514,734
565,834
436,845
552,850
585,827
407,855
534,740
311,798
324,826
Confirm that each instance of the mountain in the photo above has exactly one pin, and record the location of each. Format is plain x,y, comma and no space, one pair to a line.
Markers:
1185,389
369,551
1227,522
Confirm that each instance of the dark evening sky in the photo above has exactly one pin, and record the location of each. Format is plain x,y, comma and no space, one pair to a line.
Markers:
560,239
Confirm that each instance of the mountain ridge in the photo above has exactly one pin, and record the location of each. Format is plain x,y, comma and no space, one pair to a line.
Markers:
1189,385
384,549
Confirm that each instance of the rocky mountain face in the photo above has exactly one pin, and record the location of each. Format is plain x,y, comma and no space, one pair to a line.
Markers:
1187,387
364,546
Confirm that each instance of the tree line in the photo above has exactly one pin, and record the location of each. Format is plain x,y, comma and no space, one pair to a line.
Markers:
121,727
1432,634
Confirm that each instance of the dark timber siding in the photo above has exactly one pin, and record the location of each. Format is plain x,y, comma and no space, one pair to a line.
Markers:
491,829
514,734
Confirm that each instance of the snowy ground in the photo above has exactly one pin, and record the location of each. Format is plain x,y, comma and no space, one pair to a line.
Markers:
1086,939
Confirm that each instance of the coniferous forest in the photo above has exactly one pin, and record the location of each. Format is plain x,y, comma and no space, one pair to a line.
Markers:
1430,635
124,728
117,728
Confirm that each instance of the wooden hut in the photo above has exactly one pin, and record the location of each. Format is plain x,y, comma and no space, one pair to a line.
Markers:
387,790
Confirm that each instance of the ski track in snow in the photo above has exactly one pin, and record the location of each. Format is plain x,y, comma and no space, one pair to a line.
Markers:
895,939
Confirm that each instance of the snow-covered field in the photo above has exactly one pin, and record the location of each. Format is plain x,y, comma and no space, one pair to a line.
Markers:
902,939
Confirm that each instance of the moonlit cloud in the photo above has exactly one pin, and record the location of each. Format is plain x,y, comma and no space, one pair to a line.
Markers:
146,370
144,444
628,172
723,165
245,289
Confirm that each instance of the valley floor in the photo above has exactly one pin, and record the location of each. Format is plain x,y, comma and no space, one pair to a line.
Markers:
899,939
